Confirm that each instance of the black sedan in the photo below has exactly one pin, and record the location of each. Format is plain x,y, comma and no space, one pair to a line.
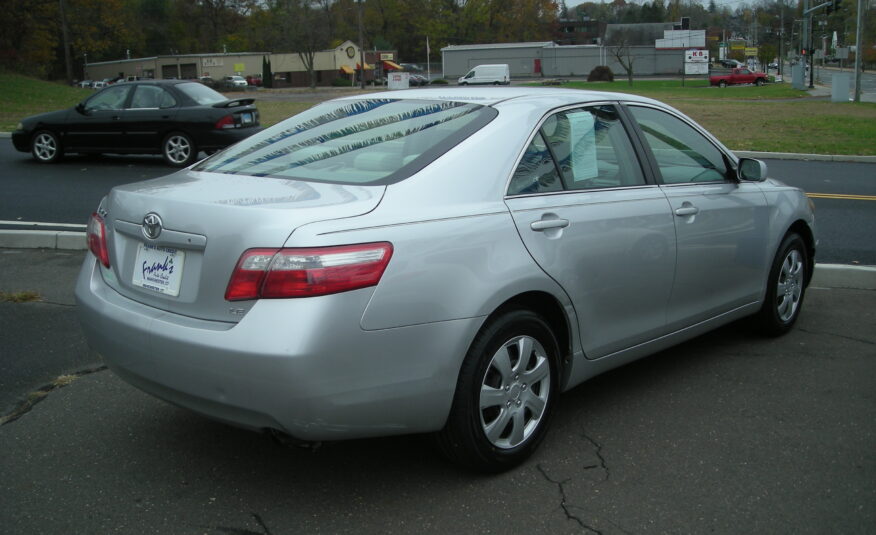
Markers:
174,118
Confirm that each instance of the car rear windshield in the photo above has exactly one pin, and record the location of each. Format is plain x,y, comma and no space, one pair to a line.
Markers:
369,141
200,93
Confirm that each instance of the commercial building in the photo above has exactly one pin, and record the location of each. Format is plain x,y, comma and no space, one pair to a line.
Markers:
655,48
288,68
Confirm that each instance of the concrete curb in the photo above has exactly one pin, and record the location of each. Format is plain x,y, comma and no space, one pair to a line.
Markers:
844,276
43,239
812,157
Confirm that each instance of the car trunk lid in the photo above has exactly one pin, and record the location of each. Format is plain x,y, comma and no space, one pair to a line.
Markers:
174,241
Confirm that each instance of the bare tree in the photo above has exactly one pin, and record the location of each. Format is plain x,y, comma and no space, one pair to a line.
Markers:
620,45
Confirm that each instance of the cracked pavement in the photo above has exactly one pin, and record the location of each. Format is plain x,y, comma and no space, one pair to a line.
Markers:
728,433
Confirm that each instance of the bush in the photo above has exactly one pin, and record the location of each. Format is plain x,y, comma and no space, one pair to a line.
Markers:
601,73
341,82
439,81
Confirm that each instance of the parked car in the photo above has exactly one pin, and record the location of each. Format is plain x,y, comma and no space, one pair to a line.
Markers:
254,80
444,261
176,119
417,80
234,83
84,83
737,76
731,63
208,81
99,84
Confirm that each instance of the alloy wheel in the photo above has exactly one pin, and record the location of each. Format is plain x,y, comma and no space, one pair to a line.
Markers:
790,285
178,149
45,147
514,392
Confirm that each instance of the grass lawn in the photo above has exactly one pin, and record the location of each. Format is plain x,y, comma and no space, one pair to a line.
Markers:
772,118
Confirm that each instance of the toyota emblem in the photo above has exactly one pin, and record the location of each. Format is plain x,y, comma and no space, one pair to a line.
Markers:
152,226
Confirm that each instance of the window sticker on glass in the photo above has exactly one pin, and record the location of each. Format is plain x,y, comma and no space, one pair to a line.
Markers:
583,136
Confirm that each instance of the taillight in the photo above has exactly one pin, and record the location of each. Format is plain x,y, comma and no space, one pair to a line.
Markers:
225,122
96,235
307,272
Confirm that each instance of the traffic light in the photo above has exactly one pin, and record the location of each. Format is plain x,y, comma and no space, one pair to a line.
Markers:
834,5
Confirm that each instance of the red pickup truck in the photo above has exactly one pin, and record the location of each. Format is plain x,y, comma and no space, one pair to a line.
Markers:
737,76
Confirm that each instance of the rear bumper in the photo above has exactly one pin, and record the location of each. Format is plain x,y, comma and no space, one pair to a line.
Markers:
304,366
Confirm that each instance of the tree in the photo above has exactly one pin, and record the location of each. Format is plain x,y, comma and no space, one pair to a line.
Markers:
620,45
300,26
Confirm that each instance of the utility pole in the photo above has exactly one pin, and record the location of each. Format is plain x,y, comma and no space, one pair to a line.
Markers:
781,36
65,33
859,37
361,48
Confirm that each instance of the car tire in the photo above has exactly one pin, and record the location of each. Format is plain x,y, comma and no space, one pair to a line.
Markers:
179,150
463,83
507,388
722,83
786,287
758,82
45,147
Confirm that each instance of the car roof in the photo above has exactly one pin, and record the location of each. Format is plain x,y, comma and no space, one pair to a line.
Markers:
492,95
155,82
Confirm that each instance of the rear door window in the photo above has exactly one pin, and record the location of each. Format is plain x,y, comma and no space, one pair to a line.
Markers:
578,149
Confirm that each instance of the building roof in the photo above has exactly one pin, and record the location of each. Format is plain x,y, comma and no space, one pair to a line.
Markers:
536,44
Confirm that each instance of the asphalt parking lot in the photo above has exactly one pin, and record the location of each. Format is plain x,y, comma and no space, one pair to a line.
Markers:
728,433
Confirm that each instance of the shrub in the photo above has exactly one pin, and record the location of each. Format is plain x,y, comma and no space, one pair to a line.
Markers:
600,73
439,81
341,82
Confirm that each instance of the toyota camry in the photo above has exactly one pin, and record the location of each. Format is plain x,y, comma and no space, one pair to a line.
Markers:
442,261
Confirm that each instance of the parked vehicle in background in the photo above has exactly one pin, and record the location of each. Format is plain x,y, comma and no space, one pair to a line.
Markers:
737,76
445,260
254,80
207,81
234,83
487,74
176,119
417,80
85,83
731,63
99,84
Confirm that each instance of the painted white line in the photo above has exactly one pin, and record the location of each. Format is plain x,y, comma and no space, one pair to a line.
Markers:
41,224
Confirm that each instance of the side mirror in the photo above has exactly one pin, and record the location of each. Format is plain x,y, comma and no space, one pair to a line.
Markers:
81,108
753,170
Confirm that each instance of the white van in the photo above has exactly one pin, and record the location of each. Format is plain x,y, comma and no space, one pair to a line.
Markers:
487,74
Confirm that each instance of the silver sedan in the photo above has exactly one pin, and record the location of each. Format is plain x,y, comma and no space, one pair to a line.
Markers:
439,260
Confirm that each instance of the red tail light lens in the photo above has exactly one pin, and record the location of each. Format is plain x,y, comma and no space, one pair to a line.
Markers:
225,122
96,236
307,272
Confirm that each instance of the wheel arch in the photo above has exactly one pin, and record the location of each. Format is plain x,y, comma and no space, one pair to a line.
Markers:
551,310
805,232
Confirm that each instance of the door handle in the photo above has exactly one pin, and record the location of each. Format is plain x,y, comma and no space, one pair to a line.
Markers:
686,210
546,224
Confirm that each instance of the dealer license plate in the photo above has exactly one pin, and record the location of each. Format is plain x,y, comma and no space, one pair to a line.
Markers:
159,269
